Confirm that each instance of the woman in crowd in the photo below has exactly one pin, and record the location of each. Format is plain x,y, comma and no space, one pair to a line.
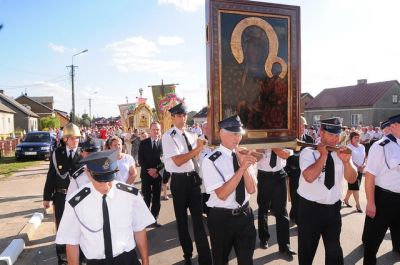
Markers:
126,163
358,156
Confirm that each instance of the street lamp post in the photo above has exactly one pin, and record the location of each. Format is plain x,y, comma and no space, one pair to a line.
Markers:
72,83
90,105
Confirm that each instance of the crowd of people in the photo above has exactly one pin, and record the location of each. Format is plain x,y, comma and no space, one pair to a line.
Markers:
219,182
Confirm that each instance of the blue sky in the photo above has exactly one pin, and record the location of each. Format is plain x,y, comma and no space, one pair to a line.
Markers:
136,43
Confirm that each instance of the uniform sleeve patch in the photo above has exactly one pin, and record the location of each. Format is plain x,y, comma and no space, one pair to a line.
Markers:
215,156
127,188
79,197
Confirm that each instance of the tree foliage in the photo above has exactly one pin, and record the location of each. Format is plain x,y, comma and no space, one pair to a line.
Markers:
49,122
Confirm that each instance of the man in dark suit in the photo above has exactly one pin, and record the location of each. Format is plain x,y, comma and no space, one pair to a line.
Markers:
64,162
150,151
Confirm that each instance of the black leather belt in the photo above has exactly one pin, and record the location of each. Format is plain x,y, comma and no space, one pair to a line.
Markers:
387,191
63,191
187,174
270,173
243,210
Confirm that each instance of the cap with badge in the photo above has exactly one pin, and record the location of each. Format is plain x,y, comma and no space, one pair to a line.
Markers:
332,125
90,146
232,124
394,119
385,124
102,165
178,109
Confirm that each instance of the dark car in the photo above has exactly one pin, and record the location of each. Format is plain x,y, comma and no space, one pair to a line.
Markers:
36,144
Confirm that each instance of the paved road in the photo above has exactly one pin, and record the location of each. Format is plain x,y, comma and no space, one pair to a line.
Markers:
20,196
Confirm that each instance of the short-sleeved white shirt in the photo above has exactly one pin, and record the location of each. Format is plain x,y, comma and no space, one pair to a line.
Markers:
173,144
124,164
383,162
263,164
357,154
317,191
216,173
77,183
83,224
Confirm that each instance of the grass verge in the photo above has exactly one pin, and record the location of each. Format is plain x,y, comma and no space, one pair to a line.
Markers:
10,165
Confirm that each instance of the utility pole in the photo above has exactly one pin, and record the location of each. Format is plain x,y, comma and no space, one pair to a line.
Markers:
126,99
73,91
90,108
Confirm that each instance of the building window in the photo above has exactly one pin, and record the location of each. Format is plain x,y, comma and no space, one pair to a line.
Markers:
316,119
356,119
395,99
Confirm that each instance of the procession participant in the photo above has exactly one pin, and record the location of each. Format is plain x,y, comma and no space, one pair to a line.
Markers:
203,154
272,193
150,152
64,162
229,181
320,190
126,164
358,157
79,178
382,187
107,219
293,170
179,151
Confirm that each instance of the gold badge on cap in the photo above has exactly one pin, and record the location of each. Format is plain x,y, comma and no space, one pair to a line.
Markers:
59,166
106,164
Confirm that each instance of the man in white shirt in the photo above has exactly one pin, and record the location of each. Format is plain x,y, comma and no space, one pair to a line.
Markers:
180,149
382,187
230,181
320,191
107,219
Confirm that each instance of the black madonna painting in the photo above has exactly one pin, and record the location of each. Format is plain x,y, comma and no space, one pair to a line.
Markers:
254,66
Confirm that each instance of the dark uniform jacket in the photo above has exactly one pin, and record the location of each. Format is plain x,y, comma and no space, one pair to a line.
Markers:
149,158
54,181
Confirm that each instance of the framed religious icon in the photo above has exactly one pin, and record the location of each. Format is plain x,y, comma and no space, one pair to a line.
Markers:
253,68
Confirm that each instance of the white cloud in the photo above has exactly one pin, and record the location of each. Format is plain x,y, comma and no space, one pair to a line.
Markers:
137,54
170,41
184,5
57,48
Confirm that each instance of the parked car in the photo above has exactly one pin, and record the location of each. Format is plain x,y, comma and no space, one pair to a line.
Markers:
36,144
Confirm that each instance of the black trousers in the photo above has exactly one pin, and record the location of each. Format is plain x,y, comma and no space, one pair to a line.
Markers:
227,231
387,216
126,258
186,193
272,193
294,196
316,220
151,191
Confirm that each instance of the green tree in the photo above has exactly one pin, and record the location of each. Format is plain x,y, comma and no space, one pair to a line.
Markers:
49,122
190,120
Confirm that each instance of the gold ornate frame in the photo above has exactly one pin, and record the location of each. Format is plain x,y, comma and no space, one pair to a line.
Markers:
253,14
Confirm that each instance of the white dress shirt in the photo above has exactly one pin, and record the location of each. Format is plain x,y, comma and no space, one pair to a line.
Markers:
317,191
83,224
263,164
383,162
173,144
357,154
77,183
124,164
216,173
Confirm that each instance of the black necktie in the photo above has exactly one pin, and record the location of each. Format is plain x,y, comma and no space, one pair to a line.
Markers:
272,161
107,233
154,146
70,156
189,146
240,186
329,172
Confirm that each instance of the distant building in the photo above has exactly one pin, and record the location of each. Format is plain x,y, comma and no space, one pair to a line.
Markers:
62,116
364,103
201,116
305,98
35,106
24,119
6,121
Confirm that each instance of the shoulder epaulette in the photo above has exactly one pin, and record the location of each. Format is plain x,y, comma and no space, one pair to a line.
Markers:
385,142
78,172
127,188
79,196
215,156
391,138
173,133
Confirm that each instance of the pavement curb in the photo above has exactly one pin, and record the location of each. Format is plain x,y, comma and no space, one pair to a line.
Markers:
17,245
